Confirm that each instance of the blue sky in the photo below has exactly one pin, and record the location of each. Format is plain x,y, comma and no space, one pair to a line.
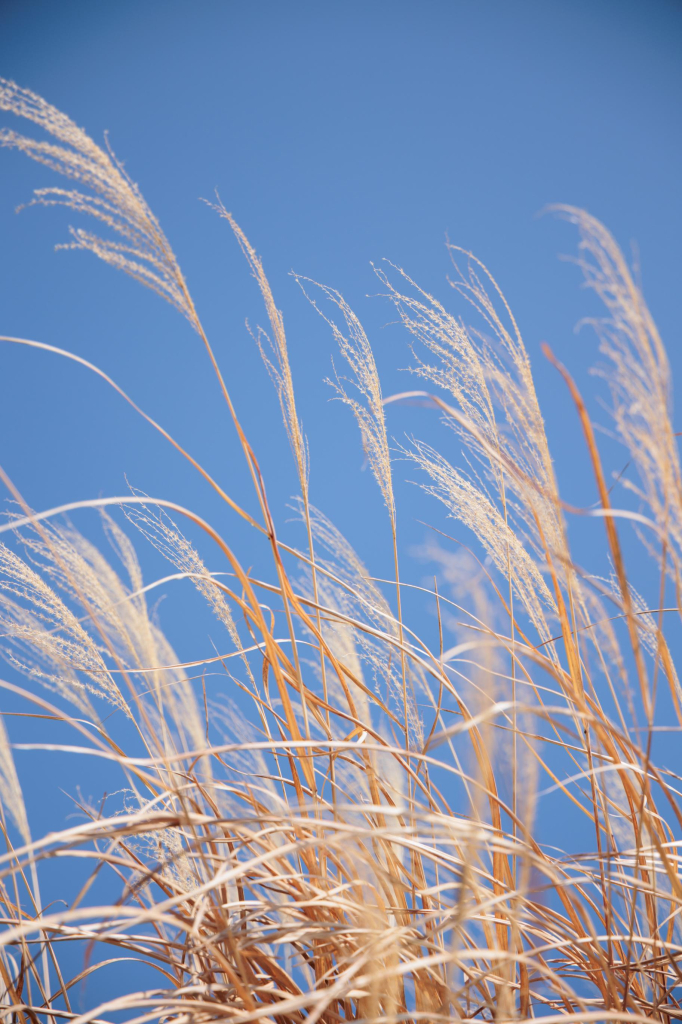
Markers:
338,133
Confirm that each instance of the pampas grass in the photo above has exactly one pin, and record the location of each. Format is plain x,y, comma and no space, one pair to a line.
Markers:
366,844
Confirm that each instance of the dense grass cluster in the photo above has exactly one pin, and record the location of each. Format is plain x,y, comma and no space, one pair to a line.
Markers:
365,847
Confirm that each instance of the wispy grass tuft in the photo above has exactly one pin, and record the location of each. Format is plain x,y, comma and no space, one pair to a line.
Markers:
355,825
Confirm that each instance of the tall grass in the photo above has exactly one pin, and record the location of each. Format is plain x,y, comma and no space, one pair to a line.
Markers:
368,845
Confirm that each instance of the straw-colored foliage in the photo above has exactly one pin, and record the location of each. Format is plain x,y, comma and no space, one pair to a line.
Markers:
372,812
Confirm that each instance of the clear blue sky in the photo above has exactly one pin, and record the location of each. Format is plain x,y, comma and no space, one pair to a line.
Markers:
337,133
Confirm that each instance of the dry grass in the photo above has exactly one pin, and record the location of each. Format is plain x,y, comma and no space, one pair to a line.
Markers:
366,846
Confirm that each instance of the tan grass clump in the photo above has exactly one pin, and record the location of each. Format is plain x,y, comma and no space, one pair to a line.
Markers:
367,844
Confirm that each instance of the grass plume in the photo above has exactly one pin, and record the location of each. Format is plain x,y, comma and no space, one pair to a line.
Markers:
369,840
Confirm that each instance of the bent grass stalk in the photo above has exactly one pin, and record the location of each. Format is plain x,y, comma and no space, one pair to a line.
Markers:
358,849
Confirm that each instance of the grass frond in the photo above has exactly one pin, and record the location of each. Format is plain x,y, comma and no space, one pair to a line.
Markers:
421,799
